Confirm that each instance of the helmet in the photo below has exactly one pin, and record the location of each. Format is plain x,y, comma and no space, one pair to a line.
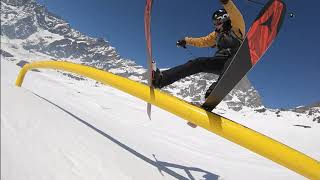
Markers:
222,17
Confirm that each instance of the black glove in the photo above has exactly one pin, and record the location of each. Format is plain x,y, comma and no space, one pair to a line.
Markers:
224,1
182,43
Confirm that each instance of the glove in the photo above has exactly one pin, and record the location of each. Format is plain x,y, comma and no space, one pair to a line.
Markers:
182,43
224,1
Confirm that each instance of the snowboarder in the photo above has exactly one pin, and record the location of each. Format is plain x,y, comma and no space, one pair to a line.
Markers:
227,37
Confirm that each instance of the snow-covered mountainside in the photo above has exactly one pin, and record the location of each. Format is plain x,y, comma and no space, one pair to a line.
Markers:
29,28
311,110
29,32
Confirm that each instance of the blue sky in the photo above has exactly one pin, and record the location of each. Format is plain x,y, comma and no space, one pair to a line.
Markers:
287,75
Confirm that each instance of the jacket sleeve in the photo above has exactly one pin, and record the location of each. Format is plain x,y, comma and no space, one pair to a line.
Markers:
237,21
206,41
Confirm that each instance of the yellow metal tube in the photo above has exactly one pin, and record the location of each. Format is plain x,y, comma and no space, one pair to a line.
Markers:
241,135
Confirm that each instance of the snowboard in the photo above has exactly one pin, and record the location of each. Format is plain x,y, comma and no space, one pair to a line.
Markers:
147,29
257,41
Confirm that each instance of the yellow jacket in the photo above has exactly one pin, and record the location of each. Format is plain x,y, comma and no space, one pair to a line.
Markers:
238,27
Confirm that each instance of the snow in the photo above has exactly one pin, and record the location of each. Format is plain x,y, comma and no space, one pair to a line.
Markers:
60,25
117,71
15,46
56,127
42,34
15,13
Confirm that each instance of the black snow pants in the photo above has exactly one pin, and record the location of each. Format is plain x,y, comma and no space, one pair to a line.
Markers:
215,65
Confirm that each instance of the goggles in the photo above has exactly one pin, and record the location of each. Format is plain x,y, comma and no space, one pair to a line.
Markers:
220,20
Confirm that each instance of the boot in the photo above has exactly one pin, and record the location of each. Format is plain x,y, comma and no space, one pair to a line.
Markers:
207,108
156,81
208,92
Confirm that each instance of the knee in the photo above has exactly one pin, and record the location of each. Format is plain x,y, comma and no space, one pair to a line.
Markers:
196,60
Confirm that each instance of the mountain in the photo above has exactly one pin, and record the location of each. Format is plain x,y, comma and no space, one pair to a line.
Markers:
29,32
311,110
38,30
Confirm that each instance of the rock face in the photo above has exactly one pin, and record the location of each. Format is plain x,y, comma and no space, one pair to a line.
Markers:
311,110
16,2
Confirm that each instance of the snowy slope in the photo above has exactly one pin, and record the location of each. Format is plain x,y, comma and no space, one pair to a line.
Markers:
56,127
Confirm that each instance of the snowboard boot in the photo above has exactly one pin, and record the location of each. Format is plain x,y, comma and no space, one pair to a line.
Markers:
156,81
208,92
207,108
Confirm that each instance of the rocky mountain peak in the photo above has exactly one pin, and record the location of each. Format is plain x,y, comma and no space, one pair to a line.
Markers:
17,2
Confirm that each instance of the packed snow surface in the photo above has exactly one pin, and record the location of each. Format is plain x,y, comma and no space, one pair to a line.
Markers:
57,127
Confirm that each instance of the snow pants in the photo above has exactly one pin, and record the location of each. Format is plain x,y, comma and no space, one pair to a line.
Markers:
213,65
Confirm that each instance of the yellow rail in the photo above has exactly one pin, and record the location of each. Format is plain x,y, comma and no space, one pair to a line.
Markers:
219,125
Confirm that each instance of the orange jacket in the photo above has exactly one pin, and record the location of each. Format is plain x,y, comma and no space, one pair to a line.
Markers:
238,27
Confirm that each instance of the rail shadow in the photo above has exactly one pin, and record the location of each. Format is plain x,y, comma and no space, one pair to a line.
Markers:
160,165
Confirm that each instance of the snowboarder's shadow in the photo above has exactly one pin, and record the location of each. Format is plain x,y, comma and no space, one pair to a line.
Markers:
188,170
161,165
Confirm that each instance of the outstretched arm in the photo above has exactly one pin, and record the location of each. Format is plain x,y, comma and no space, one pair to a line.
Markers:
206,41
237,21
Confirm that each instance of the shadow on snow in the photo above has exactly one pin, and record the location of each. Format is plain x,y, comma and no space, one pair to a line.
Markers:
161,165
